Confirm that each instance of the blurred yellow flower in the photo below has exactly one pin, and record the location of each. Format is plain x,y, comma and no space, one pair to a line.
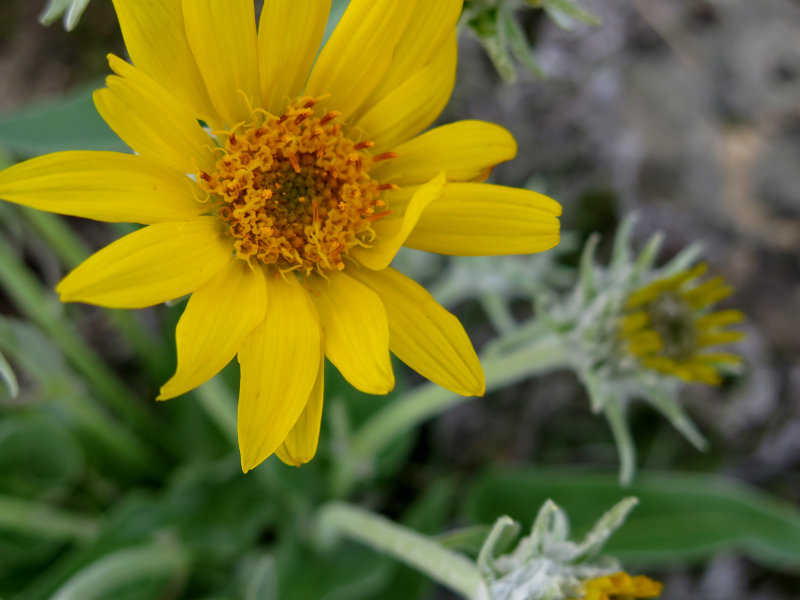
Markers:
621,586
276,186
668,326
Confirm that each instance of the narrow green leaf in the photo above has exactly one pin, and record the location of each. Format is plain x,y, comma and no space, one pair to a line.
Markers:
8,377
134,565
566,13
72,10
68,123
518,43
681,517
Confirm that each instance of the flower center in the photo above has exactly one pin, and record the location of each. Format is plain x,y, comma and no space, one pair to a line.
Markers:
295,191
672,318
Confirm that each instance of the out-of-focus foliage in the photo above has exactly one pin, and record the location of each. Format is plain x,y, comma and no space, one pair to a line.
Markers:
497,25
680,518
69,123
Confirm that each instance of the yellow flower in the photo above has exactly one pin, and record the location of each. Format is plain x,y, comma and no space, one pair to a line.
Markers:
621,586
668,325
276,187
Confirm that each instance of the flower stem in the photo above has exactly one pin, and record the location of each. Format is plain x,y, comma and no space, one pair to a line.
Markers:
445,566
425,401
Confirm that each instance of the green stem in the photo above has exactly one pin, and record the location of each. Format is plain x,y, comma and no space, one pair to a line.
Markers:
425,401
41,520
496,308
105,578
622,436
445,566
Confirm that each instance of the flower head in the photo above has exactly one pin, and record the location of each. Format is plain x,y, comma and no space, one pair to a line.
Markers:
636,331
547,565
620,585
668,326
276,183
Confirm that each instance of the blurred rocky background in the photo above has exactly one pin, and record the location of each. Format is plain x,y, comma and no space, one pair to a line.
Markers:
685,111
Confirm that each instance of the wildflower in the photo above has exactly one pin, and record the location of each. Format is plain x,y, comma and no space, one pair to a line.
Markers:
276,187
620,585
633,331
667,326
547,565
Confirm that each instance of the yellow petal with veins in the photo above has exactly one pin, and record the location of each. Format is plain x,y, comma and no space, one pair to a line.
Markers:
156,41
359,53
465,151
478,219
431,24
300,445
216,320
355,331
152,121
289,36
222,36
105,186
279,367
413,105
424,335
152,265
393,232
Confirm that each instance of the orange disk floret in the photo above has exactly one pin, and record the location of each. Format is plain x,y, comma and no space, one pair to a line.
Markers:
295,191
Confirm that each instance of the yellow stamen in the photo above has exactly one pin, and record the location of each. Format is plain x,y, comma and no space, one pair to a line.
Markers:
293,190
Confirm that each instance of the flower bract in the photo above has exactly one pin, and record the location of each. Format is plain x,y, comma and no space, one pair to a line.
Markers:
276,182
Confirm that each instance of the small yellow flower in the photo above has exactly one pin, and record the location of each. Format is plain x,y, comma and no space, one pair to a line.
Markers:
668,325
621,586
276,184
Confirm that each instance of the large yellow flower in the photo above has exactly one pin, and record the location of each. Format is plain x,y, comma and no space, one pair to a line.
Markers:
276,186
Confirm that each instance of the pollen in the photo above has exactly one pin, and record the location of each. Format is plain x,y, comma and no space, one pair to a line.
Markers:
294,191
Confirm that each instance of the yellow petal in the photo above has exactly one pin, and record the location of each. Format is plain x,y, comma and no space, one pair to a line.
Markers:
217,318
465,151
152,121
424,335
477,219
105,186
359,53
157,263
393,232
279,366
156,41
356,332
289,35
716,319
431,25
300,445
413,105
222,36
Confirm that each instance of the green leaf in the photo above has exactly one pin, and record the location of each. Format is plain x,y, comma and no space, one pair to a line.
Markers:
132,570
68,123
681,517
518,42
566,13
71,9
8,378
